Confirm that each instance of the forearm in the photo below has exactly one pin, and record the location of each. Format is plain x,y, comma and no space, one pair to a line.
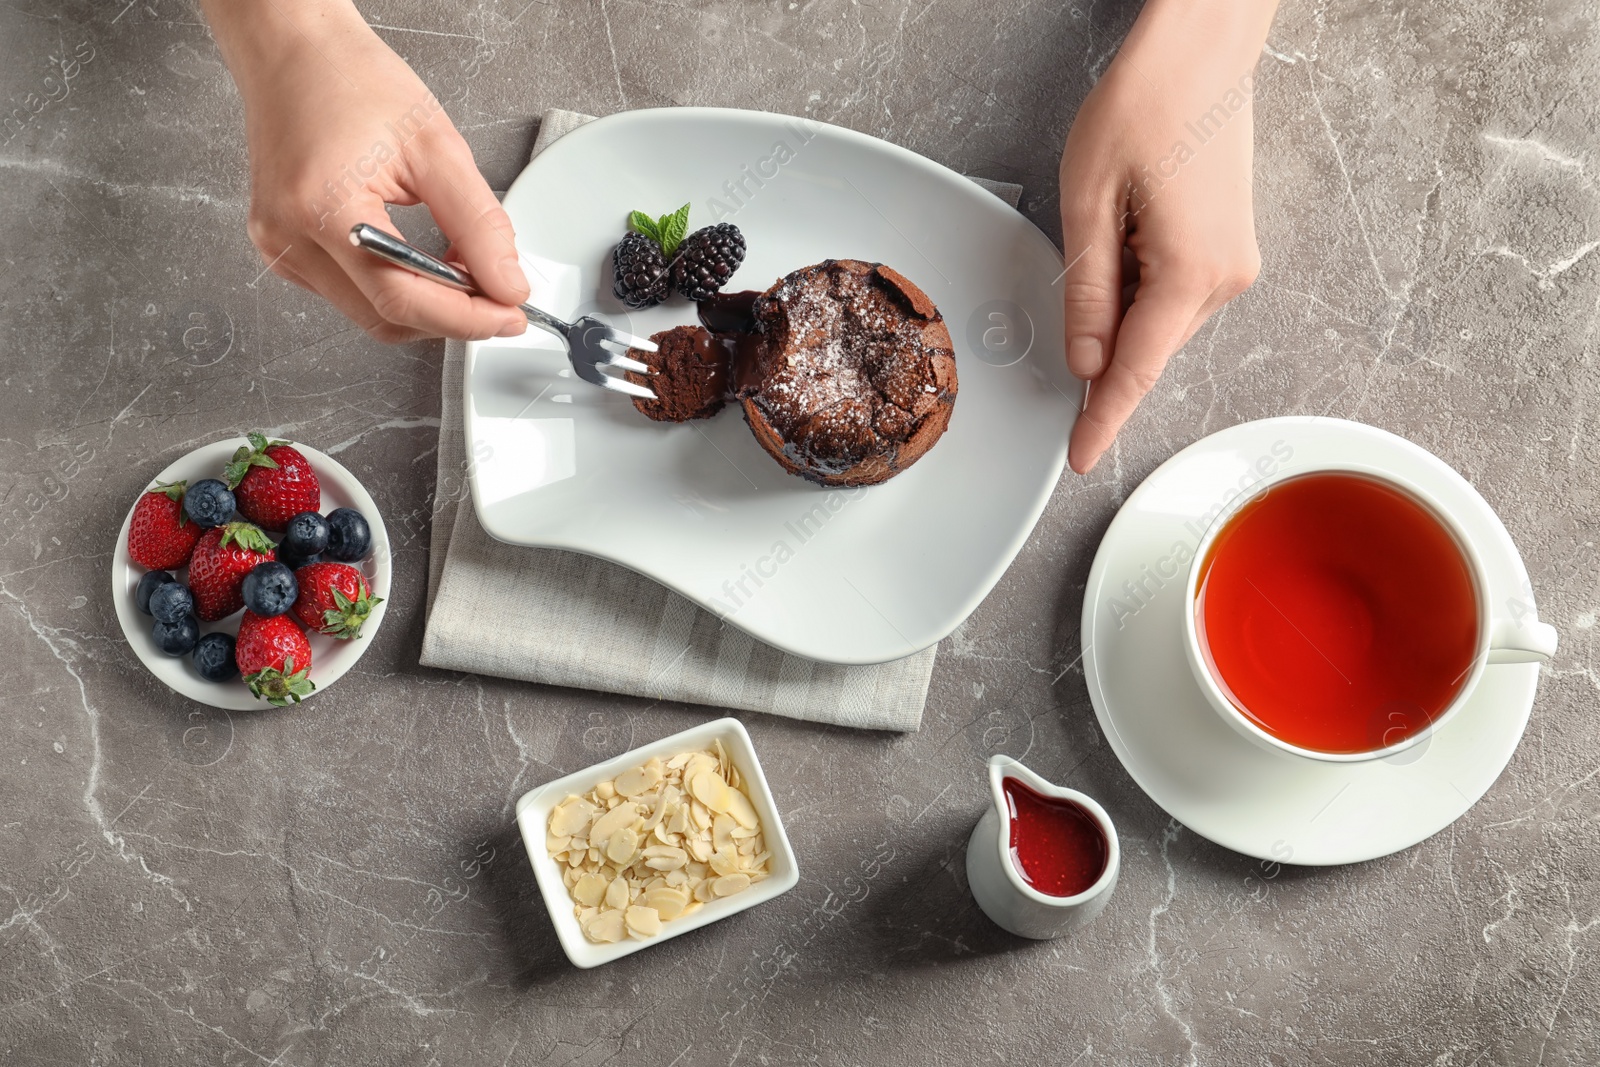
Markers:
1183,32
259,39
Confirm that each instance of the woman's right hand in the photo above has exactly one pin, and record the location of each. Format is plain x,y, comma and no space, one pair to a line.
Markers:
339,126
1156,209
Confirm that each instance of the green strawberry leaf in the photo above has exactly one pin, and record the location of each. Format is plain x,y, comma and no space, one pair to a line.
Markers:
281,687
345,619
673,228
174,491
246,535
253,454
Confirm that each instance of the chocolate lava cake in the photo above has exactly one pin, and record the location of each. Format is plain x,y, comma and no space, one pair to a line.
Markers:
691,379
852,376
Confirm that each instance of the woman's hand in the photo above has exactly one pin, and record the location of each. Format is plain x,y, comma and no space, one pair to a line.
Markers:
338,126
1156,216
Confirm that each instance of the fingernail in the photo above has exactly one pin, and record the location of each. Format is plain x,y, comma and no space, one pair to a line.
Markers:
511,274
513,328
1084,355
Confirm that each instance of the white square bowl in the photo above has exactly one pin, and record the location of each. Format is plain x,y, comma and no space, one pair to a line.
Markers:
533,816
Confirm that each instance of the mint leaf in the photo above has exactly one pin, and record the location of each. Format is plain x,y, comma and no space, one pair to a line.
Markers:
639,222
672,229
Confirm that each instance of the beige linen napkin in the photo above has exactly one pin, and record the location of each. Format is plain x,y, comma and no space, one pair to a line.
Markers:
560,618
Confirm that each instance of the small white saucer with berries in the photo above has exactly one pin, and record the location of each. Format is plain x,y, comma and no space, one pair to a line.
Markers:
251,573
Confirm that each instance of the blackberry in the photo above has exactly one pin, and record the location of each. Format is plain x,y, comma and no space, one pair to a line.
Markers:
707,259
642,277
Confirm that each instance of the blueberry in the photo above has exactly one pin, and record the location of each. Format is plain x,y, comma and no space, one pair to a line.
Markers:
147,585
213,658
349,537
208,503
176,638
305,536
171,602
270,589
294,563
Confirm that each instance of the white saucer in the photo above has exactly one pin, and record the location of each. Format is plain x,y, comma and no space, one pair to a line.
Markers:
842,576
330,658
1264,804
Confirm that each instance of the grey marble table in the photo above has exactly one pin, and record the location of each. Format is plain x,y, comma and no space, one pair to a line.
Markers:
341,884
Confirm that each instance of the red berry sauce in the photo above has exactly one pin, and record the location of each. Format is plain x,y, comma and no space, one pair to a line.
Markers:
1057,846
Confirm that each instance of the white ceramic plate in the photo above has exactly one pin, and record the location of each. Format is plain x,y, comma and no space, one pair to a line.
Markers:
857,576
533,815
330,658
1206,775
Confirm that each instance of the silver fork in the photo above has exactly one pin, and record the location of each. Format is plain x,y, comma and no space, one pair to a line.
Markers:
586,340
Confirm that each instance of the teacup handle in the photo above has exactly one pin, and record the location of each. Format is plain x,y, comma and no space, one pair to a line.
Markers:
1521,642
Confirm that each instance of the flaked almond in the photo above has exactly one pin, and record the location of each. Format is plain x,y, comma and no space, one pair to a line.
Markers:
730,884
589,890
698,764
725,860
570,817
664,858
668,903
740,808
605,927
623,844
709,789
722,831
643,921
631,783
622,815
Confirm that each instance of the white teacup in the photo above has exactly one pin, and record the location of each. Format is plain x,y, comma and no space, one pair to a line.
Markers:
1504,636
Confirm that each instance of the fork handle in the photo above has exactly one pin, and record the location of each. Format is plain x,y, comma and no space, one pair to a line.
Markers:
389,247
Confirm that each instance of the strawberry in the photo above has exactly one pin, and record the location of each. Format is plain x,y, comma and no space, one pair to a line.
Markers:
223,557
272,482
275,658
334,599
160,535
